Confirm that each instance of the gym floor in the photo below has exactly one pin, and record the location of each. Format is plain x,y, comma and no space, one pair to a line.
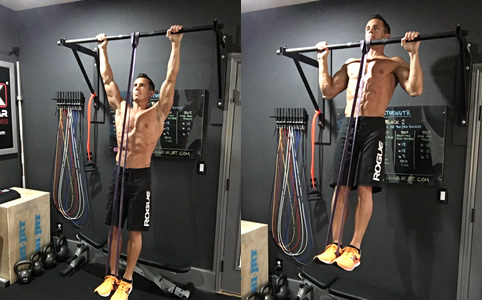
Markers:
80,285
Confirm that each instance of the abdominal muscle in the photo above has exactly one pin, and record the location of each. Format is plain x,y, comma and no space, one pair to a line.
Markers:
379,84
142,137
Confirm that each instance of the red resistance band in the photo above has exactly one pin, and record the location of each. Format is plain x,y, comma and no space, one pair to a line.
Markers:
313,131
88,125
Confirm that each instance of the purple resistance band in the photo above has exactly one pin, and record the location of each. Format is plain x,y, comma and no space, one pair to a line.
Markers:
135,42
353,120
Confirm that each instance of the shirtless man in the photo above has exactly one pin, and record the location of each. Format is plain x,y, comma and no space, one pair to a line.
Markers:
145,128
381,77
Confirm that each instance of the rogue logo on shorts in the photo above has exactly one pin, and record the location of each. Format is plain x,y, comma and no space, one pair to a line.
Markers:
147,215
378,162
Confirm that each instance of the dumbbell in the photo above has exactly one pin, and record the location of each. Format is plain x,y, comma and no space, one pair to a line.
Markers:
38,264
24,275
50,260
61,249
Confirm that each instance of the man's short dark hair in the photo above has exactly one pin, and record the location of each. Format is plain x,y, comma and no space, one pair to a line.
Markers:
386,27
151,83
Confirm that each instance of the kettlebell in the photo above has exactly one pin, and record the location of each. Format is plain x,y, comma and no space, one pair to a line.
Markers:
279,282
282,292
24,275
252,296
266,291
61,249
38,264
50,260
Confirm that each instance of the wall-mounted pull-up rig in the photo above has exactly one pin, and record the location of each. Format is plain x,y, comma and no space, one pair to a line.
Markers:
297,56
74,44
465,60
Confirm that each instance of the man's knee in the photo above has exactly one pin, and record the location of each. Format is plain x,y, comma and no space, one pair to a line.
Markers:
342,189
135,235
115,231
365,191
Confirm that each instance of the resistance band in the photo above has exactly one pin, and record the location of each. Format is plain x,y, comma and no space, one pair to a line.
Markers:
351,133
69,191
89,109
313,138
120,172
290,224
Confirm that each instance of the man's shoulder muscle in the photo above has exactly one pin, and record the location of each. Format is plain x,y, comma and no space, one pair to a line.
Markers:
352,60
398,60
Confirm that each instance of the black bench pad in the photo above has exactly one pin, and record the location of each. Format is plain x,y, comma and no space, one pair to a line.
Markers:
92,237
351,289
320,275
8,195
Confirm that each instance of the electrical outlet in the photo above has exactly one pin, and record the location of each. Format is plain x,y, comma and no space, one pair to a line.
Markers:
279,264
442,197
201,167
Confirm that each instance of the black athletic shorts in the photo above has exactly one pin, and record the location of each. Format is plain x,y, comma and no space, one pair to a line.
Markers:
137,204
368,154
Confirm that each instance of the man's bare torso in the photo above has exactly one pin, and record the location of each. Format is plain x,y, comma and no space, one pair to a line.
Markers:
144,131
380,82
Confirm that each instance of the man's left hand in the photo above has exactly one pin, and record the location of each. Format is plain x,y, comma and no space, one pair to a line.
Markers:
411,47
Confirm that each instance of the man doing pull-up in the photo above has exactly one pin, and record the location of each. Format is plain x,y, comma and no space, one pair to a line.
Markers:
381,77
142,132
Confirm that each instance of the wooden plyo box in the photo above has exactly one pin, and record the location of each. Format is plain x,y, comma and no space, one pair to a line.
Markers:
24,228
254,256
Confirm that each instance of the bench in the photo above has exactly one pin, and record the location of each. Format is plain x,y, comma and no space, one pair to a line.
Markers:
324,277
147,259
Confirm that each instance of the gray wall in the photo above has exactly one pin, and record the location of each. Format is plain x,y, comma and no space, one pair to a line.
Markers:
411,246
9,35
184,205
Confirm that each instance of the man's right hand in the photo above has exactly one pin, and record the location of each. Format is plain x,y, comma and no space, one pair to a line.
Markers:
102,41
322,50
175,38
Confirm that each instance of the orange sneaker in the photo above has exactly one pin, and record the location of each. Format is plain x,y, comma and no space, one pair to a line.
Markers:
329,255
349,260
123,291
108,286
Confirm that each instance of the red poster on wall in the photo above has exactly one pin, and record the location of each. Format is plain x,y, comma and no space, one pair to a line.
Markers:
3,95
8,124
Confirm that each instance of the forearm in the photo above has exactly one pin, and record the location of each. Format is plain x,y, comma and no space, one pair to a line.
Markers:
325,80
415,78
166,94
105,69
174,62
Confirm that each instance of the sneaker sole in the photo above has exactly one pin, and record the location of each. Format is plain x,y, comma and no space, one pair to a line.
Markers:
349,270
103,295
316,259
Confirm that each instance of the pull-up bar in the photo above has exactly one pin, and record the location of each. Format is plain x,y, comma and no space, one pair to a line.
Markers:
76,47
395,40
215,26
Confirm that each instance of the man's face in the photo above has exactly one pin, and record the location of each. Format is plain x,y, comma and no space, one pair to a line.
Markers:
141,89
375,30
